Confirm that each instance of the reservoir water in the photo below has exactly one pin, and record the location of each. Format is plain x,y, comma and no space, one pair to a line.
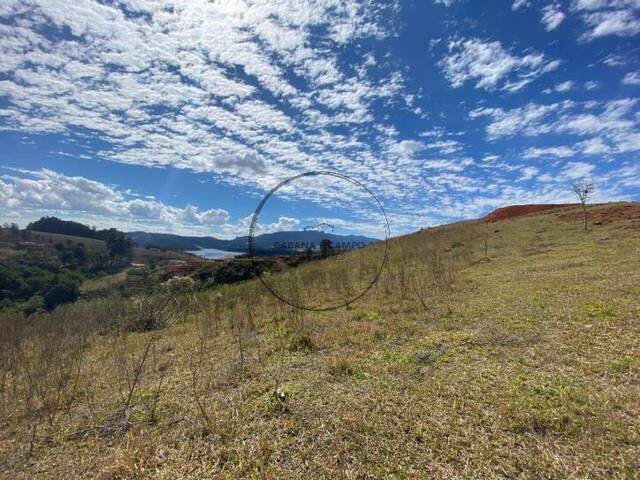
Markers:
211,253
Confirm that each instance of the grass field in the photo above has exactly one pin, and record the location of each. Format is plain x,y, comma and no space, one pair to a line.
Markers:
521,363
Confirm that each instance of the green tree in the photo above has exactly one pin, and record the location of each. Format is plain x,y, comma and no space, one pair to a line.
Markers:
64,291
80,254
118,245
325,247
33,305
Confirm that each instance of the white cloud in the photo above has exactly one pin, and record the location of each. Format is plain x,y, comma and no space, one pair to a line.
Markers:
490,158
490,66
527,120
628,143
518,4
564,86
614,121
594,146
255,91
552,16
558,152
445,146
406,148
609,17
578,170
591,85
528,173
631,78
614,60
46,191
198,85
283,224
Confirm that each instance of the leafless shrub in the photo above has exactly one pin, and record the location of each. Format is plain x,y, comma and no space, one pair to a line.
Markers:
150,312
12,334
200,367
50,372
156,374
128,365
182,297
442,270
583,191
422,288
131,362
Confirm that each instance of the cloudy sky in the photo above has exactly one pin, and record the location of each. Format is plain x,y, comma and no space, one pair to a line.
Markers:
179,115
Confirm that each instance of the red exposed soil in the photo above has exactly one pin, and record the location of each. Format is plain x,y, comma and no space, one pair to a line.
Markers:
614,213
184,267
512,211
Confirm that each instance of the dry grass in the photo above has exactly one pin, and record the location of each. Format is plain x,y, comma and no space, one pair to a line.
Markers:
520,365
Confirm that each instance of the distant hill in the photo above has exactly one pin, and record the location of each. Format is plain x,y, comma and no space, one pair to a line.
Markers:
178,242
277,242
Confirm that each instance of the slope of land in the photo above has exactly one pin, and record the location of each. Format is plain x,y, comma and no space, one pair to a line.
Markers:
35,265
521,364
511,211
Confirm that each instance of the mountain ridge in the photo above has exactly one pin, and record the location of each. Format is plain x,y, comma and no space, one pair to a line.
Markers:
293,240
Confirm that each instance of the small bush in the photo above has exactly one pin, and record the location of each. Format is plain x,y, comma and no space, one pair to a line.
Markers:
65,291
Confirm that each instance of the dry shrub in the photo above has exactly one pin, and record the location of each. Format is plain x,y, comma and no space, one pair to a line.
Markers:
12,332
201,366
150,312
50,370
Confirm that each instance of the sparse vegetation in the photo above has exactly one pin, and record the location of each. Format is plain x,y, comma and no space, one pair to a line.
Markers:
450,367
583,191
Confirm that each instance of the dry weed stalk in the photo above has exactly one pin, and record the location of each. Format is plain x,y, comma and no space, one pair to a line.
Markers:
151,313
200,367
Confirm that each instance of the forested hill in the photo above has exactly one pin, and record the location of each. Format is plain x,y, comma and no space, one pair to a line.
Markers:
68,227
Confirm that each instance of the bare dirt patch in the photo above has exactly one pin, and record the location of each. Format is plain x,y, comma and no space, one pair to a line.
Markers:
512,211
606,215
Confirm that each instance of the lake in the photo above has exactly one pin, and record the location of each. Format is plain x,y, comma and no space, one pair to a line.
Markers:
213,253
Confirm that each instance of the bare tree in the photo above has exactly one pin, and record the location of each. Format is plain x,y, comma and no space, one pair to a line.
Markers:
583,191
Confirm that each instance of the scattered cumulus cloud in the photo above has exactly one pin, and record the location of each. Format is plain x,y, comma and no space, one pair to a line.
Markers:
608,17
518,4
251,92
614,60
578,170
564,86
631,78
490,66
594,146
560,87
49,191
159,84
558,152
552,16
528,173
614,121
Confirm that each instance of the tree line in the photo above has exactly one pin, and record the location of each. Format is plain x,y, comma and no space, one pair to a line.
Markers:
41,276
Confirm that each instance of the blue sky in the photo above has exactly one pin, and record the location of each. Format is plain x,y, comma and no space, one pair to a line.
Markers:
180,115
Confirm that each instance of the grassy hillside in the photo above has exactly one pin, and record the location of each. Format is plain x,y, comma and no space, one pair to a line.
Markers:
140,254
41,270
521,363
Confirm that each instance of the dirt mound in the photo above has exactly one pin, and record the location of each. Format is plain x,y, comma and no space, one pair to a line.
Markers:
512,211
614,213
